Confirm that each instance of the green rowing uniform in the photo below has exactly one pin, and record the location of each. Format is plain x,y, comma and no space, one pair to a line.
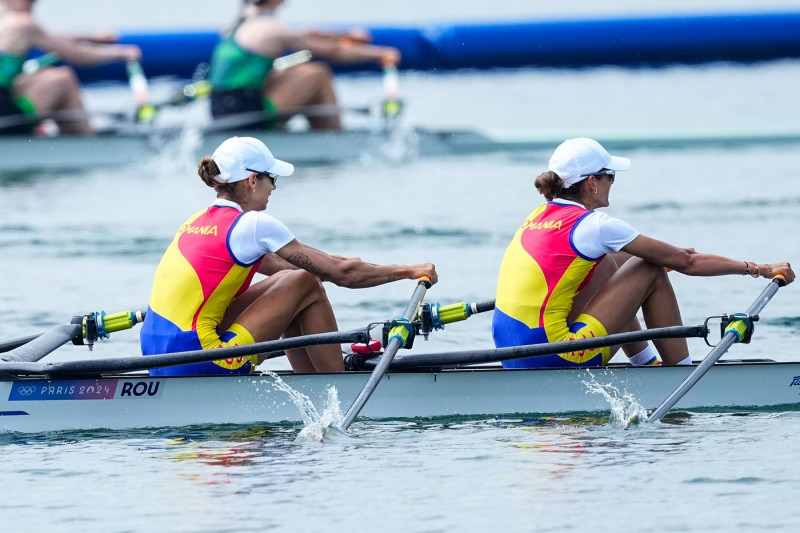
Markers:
10,68
236,79
233,67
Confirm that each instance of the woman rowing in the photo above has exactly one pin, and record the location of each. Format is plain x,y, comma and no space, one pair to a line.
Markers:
565,274
53,90
245,84
202,295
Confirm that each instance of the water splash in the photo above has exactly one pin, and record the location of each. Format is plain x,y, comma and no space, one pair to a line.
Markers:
177,155
624,408
315,424
400,145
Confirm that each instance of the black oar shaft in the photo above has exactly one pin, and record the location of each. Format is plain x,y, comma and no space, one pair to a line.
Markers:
7,346
473,357
482,307
726,342
385,359
133,363
43,344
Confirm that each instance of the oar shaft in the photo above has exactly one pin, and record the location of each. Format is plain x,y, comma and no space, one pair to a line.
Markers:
474,357
7,346
129,364
106,323
43,344
726,342
395,343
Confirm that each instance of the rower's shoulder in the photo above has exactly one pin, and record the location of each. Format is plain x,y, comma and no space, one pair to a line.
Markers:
17,32
263,32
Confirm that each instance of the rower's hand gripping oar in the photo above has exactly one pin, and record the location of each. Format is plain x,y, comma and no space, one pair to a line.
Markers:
737,330
397,339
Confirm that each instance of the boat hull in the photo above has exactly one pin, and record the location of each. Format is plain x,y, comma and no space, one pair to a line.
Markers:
139,401
24,154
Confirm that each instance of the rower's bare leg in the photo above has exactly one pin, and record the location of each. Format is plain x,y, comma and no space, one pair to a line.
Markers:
303,85
602,274
639,284
288,303
56,89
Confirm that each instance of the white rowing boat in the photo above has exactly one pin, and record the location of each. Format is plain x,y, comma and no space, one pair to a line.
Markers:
117,393
135,145
140,401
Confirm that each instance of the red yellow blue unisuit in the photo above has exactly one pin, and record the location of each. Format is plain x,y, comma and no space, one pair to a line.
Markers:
195,282
543,269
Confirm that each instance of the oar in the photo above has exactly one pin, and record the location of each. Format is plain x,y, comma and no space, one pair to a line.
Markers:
734,332
201,88
37,63
12,121
291,60
43,344
141,91
392,105
138,362
473,357
434,316
397,338
93,326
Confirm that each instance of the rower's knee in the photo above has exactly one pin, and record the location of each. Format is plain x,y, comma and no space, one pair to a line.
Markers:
651,269
304,281
63,77
317,72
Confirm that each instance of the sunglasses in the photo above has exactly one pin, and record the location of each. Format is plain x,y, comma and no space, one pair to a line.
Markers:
272,177
610,173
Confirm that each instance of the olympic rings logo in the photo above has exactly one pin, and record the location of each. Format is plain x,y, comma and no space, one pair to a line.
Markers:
26,390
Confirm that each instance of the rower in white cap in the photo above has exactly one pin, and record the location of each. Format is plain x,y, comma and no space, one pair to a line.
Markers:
572,272
202,295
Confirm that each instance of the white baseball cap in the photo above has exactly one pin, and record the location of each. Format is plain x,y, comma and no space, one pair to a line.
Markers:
238,157
575,159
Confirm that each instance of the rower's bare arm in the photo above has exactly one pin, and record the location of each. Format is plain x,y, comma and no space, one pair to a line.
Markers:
354,35
273,263
80,52
342,50
690,262
351,272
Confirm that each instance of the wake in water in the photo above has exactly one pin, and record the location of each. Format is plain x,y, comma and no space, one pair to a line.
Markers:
624,408
315,424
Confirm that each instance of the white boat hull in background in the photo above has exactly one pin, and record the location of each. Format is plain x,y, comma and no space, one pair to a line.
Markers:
135,146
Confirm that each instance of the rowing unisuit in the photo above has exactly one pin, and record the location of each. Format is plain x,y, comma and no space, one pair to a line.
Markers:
236,77
10,68
211,260
551,257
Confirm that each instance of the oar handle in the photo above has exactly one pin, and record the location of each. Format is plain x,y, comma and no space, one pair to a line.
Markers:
137,82
141,91
392,105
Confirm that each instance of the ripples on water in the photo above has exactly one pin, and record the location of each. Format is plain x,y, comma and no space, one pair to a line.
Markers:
695,472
